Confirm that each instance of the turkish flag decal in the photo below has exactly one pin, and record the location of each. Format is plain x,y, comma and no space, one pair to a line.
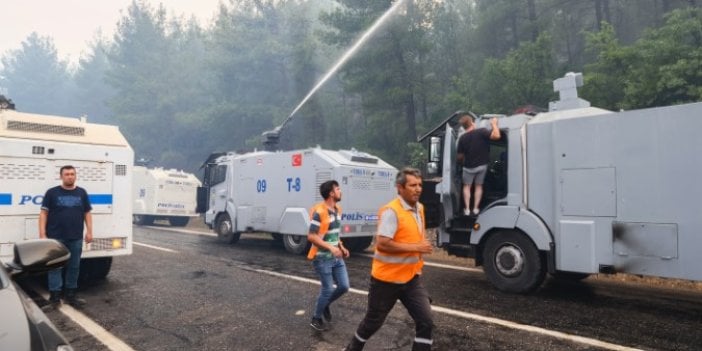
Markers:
297,160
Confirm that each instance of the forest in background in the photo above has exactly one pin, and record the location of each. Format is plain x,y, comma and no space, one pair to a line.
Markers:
180,90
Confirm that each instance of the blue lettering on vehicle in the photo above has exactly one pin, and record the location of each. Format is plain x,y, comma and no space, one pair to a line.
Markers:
294,184
31,199
261,186
358,216
27,199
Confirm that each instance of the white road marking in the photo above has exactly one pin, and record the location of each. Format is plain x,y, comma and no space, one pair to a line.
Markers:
427,263
476,317
106,338
186,231
154,247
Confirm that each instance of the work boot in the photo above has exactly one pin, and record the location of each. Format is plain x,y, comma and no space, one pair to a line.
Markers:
73,300
327,314
54,299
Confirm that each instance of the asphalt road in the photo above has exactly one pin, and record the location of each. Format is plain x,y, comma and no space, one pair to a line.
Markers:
198,294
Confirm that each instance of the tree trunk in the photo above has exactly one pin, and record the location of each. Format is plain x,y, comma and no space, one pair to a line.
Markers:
410,108
598,14
531,5
605,9
515,32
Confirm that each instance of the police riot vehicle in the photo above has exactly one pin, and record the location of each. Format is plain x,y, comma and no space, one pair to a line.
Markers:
576,191
34,148
273,191
164,194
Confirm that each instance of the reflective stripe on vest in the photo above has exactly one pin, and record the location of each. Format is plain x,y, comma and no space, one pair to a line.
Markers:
323,211
400,268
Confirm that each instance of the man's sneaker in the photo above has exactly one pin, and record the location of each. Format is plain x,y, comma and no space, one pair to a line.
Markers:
327,314
317,324
73,300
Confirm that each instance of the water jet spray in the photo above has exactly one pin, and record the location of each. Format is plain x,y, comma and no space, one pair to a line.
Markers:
271,137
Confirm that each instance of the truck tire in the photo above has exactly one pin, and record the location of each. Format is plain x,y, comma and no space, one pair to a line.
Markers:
225,230
296,244
512,262
359,244
142,219
94,269
178,221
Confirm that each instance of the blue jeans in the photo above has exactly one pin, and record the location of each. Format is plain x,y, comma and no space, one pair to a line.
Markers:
330,270
75,247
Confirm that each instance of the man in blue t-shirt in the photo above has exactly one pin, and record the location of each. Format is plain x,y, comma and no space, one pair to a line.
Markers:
64,210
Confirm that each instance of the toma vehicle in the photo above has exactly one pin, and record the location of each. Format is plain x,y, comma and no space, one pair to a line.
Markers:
23,325
576,191
164,194
272,192
34,148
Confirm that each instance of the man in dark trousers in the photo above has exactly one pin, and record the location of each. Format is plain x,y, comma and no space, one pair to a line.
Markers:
473,152
64,210
397,265
327,252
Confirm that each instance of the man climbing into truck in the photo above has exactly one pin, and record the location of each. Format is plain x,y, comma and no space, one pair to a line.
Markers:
473,152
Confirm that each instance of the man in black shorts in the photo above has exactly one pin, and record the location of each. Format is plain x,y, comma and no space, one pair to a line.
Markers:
474,154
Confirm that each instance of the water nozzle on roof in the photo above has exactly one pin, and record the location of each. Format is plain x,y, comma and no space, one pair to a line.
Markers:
567,88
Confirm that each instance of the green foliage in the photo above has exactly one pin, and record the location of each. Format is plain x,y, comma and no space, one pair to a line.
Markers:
666,69
522,78
605,78
180,90
35,79
661,68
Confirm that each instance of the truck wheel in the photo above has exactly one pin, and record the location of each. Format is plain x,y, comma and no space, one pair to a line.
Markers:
178,221
142,220
225,230
513,263
94,269
296,244
359,244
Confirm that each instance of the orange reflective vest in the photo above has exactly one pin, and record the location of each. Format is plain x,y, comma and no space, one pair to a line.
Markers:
324,222
400,268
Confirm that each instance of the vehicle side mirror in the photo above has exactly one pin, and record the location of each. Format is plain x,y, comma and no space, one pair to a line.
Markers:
434,149
38,256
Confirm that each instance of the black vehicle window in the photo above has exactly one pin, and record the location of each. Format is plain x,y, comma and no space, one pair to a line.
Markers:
218,174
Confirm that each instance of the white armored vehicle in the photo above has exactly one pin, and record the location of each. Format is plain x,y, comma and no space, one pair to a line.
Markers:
577,191
167,194
273,192
32,150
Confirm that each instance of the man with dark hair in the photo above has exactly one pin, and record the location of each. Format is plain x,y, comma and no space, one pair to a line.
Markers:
474,154
327,252
64,210
397,265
